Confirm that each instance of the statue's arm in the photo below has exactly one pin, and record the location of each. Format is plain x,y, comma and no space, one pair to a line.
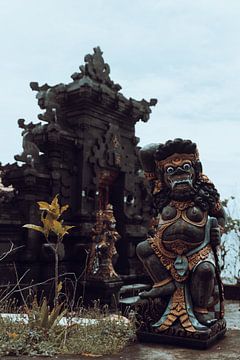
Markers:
219,213
217,228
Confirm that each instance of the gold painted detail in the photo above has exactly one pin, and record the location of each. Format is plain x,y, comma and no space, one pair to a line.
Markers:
115,141
170,221
178,311
198,224
202,254
163,282
150,175
108,213
157,187
176,159
168,258
182,214
103,249
180,246
177,247
181,205
205,179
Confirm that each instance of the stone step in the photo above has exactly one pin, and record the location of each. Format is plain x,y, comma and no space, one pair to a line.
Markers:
128,301
132,290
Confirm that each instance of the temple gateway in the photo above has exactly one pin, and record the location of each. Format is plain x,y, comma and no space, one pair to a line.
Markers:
82,147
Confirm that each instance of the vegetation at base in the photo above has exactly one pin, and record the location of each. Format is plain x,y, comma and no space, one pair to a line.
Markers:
43,335
39,331
108,336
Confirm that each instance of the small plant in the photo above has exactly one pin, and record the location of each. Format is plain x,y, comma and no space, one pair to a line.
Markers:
50,214
40,315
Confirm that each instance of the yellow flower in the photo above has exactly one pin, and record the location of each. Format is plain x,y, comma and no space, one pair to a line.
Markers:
49,217
12,335
53,209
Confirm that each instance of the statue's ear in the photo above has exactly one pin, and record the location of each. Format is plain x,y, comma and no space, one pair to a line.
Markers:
146,155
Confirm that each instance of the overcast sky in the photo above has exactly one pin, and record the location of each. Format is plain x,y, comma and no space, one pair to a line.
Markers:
185,53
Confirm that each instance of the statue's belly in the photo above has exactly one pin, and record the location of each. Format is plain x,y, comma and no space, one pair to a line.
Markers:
181,237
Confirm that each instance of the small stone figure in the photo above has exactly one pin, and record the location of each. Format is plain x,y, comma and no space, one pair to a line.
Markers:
31,151
48,98
181,253
103,248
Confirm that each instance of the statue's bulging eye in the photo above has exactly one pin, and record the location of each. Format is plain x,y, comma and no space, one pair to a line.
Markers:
186,166
170,170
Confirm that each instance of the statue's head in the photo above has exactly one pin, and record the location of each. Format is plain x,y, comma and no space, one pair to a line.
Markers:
174,171
109,218
177,165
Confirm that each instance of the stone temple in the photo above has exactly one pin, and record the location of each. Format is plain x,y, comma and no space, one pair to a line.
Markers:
82,147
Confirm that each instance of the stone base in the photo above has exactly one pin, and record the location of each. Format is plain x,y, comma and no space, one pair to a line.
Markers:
178,336
149,311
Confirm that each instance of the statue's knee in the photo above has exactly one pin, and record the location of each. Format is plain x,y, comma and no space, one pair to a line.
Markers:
143,249
140,250
205,271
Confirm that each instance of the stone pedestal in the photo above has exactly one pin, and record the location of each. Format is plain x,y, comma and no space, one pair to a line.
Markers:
149,311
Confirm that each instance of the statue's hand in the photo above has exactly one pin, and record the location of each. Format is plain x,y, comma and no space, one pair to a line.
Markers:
215,234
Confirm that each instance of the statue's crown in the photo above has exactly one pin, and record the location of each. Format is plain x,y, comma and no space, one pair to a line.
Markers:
175,151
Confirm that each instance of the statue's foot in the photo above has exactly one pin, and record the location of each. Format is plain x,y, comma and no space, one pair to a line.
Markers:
206,319
164,290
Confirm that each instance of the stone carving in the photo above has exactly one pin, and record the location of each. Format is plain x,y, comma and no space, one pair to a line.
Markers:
108,149
48,98
96,69
144,106
103,249
95,74
113,145
31,151
6,193
181,253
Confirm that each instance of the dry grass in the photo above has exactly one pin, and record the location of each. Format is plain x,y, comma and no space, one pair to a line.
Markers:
106,335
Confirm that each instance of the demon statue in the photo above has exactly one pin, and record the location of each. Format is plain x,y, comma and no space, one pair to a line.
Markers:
103,250
180,255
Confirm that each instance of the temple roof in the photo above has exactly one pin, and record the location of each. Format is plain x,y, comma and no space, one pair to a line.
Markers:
95,75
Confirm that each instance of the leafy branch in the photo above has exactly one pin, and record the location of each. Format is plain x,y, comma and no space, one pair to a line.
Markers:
50,214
